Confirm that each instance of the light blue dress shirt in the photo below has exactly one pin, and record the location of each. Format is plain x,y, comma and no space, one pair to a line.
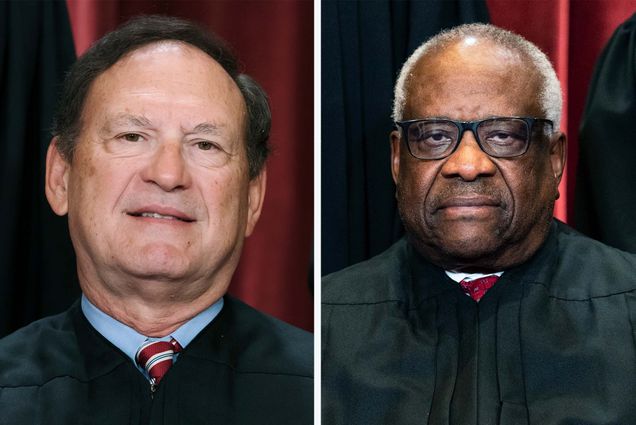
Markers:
128,340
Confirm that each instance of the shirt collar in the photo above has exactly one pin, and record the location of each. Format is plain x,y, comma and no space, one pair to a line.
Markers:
458,277
129,340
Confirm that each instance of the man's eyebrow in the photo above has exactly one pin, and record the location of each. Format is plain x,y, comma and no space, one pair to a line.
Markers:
208,128
116,122
136,120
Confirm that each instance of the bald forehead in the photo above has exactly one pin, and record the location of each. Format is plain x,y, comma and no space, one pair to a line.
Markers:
471,65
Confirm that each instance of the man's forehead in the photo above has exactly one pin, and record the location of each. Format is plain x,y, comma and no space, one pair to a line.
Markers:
143,87
471,68
175,48
469,54
172,63
143,121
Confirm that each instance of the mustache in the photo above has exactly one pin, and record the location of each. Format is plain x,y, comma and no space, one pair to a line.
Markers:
476,189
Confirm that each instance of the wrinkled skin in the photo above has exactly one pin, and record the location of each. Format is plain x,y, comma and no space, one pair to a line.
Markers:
471,212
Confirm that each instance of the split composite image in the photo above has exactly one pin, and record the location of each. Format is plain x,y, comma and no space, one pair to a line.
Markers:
337,212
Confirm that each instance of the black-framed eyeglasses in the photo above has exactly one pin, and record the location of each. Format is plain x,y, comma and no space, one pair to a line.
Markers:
500,137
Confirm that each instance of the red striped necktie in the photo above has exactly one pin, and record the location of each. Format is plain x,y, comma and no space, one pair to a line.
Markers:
477,288
156,358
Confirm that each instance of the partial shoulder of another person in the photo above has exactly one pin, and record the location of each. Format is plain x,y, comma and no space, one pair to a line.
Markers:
599,270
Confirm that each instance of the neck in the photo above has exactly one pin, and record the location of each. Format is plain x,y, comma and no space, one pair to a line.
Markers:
149,319
154,309
507,256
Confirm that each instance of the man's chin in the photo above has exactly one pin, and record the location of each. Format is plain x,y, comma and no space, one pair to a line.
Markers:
467,231
469,249
453,250
163,262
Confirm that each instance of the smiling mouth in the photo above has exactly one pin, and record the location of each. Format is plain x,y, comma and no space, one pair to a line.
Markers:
160,216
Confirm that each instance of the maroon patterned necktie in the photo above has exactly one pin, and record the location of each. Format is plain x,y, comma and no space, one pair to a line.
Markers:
156,358
477,288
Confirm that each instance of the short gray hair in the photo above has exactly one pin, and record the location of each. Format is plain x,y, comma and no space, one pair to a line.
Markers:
549,96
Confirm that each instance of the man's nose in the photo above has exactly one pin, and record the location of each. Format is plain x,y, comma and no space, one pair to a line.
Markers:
167,167
468,161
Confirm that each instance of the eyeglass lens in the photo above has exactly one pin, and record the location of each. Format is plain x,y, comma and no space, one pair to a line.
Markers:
499,137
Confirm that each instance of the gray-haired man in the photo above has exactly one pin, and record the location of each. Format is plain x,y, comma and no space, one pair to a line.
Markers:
489,311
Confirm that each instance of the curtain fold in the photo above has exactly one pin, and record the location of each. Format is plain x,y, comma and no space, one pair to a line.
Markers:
37,265
605,195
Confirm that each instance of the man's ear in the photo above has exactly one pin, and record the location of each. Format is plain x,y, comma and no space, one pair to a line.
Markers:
56,183
256,194
395,155
558,156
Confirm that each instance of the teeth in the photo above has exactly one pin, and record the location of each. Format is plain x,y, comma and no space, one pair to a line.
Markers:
155,215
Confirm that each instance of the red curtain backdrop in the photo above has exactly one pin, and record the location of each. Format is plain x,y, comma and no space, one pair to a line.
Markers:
572,33
274,41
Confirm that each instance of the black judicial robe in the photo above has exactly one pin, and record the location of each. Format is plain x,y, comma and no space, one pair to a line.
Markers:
553,342
243,368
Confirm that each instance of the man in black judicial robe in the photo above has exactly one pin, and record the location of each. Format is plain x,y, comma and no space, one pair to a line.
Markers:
408,337
158,159
243,368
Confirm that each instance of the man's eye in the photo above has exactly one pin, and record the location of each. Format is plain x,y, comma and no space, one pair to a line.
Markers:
131,137
205,146
503,137
435,138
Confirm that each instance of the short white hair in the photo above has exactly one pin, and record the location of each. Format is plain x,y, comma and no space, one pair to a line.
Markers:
550,92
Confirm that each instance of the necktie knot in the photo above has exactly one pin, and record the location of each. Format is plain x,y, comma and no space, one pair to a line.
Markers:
156,358
477,288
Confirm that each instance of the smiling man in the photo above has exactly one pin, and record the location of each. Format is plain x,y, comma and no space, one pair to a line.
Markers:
158,159
489,311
